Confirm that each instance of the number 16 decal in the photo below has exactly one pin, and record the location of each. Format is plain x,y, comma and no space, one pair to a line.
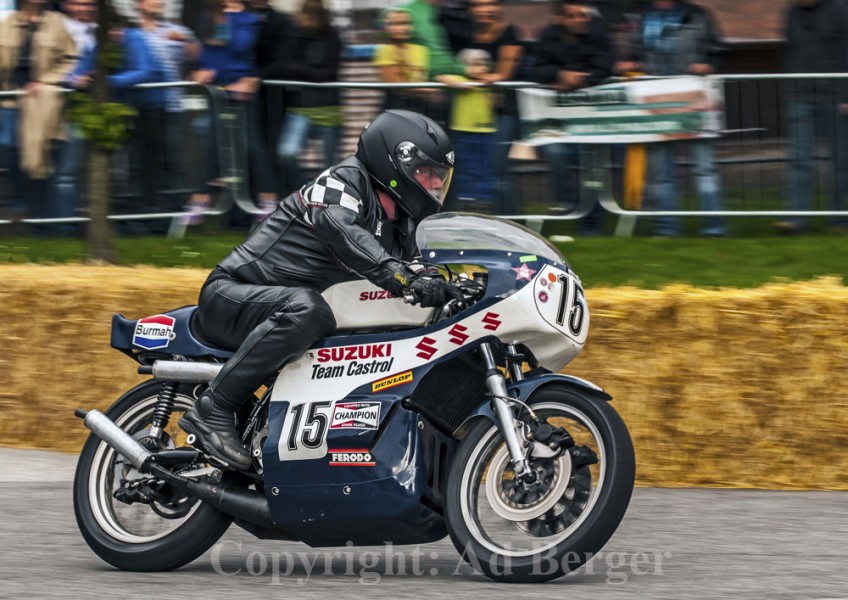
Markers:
577,310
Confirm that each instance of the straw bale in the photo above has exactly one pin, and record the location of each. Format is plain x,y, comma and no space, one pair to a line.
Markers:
737,388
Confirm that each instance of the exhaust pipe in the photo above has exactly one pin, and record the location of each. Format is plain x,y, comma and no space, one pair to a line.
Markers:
182,371
239,502
115,437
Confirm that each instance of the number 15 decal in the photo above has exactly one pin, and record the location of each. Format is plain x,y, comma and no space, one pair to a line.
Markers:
576,308
305,429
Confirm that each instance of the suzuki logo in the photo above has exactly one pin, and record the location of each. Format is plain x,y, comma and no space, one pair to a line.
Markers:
458,335
427,348
492,321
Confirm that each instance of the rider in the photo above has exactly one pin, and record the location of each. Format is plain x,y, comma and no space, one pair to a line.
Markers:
356,220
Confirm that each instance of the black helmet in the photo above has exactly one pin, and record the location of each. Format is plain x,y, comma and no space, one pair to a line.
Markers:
411,157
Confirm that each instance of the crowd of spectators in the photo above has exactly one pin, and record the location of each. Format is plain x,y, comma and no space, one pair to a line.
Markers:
465,44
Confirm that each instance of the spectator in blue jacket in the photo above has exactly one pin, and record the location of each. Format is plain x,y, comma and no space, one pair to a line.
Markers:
81,23
154,52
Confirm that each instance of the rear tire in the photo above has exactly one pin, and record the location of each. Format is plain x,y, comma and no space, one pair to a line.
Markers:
125,541
576,513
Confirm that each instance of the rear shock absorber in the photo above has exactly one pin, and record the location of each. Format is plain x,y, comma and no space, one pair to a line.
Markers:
164,407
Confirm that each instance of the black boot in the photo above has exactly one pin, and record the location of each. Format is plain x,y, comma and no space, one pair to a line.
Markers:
215,429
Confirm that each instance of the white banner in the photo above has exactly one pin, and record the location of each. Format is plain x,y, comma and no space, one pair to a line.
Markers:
628,112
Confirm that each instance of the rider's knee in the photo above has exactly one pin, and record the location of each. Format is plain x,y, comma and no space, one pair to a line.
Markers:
312,313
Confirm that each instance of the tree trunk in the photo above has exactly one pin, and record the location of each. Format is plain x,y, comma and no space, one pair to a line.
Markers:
101,243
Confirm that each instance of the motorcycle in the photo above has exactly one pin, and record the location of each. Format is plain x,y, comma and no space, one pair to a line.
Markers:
407,425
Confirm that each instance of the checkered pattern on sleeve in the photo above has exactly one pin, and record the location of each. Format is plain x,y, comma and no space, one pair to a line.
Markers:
329,191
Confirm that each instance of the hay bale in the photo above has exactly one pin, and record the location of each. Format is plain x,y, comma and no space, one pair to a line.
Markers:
54,350
738,388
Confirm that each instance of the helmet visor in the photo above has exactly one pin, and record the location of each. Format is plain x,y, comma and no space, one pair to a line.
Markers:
431,176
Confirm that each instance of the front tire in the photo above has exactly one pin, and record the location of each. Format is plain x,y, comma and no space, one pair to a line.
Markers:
140,537
540,534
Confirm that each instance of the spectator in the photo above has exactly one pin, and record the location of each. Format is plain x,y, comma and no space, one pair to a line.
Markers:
36,53
80,21
156,52
572,53
677,38
816,42
492,34
312,53
402,62
274,30
228,60
455,19
428,31
473,131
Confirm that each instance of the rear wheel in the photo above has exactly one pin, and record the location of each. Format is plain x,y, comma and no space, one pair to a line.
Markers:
161,529
519,532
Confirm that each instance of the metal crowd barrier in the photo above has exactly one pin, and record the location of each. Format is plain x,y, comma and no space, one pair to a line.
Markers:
229,131
751,155
753,151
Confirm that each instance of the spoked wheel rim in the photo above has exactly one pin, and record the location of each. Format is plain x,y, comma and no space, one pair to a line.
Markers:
527,522
136,523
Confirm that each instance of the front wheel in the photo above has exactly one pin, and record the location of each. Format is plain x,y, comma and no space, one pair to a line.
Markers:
515,531
160,529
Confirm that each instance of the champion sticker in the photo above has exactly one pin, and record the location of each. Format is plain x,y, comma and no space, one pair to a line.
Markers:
357,457
356,415
154,332
392,381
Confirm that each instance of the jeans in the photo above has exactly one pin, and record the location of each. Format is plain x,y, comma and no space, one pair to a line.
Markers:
664,178
509,129
803,116
564,164
475,176
297,131
30,197
10,157
70,162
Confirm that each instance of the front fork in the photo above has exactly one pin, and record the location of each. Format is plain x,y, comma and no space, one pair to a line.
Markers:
496,385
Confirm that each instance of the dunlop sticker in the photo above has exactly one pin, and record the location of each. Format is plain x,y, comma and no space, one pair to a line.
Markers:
389,382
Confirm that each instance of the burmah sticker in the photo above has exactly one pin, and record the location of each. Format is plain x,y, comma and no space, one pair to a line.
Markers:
392,381
154,332
356,415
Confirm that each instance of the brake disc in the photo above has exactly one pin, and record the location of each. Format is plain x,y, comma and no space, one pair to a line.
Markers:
518,501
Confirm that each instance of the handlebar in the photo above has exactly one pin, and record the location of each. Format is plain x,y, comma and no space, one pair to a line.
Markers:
470,290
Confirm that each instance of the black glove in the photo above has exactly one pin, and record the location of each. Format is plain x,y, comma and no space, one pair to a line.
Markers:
431,291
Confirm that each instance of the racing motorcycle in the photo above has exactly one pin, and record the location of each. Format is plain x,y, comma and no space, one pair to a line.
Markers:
408,425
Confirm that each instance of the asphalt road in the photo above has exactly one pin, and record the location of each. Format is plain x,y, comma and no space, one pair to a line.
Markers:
672,544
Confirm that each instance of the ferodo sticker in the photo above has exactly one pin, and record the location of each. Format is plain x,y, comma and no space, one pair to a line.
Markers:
392,381
154,332
355,415
357,457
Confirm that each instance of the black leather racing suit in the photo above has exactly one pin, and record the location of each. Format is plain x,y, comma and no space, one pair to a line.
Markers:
264,297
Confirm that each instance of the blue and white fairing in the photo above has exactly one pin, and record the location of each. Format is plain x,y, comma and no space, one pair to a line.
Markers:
336,424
